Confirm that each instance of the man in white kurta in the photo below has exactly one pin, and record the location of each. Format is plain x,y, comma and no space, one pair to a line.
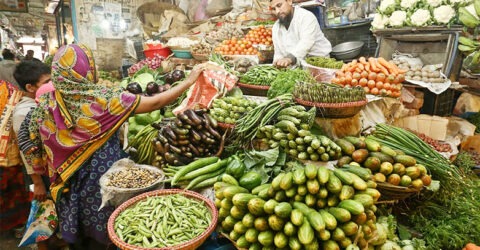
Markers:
296,34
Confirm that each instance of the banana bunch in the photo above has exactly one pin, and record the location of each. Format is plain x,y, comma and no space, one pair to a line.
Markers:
468,45
141,147
469,16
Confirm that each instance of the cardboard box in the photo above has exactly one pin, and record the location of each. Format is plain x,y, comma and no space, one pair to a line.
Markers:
433,126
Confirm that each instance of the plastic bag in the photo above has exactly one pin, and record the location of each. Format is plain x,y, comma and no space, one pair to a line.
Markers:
41,223
115,196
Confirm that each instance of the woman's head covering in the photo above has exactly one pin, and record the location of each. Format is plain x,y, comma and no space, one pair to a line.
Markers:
76,119
45,88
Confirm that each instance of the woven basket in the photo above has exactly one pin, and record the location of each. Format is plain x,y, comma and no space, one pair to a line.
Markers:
391,192
334,110
188,245
200,57
256,90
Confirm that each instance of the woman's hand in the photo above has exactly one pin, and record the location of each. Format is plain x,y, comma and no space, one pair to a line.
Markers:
39,191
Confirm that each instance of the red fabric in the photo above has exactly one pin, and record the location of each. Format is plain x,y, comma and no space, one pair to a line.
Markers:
209,85
14,198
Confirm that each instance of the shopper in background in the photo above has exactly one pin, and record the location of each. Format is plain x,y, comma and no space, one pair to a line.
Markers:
76,128
296,34
7,66
14,197
29,56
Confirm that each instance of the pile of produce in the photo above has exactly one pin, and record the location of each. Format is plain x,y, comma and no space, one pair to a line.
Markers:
133,178
436,144
469,45
309,207
174,76
190,135
201,48
292,133
417,72
247,127
162,221
199,174
375,75
260,35
229,109
285,82
138,122
141,148
262,22
260,75
386,164
235,46
150,89
152,63
182,42
327,93
242,65
324,62
225,32
109,79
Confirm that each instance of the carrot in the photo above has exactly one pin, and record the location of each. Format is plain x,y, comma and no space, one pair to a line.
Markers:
362,60
358,69
344,67
373,64
388,66
367,67
361,67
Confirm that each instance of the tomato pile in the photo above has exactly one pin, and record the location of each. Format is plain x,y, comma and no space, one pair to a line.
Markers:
236,47
260,35
244,46
375,75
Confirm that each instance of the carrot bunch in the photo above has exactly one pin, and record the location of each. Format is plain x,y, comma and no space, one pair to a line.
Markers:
375,75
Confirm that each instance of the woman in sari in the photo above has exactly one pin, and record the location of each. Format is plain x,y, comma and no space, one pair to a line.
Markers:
76,129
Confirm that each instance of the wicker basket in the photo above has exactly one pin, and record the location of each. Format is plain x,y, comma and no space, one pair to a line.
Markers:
191,244
200,57
256,90
391,192
334,110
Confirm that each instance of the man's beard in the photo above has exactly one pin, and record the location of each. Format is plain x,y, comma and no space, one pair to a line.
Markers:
285,21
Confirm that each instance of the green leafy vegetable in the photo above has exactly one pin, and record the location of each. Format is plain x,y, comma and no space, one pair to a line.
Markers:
285,82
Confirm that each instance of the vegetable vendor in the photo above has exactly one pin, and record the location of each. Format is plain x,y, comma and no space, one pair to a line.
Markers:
75,129
296,34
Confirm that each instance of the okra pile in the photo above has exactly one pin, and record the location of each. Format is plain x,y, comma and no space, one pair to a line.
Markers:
162,221
327,93
260,75
324,62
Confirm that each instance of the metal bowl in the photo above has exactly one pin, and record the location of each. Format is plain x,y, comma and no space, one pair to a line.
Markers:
347,50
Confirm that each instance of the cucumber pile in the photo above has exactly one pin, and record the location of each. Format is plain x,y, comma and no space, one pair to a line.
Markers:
310,207
292,133
386,164
229,109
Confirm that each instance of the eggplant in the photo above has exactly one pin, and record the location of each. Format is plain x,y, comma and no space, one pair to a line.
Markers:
152,88
195,135
134,88
162,138
157,125
166,146
169,78
183,142
159,147
200,112
177,75
178,123
212,122
194,150
168,130
185,118
193,117
169,157
175,149
180,131
210,141
222,145
188,154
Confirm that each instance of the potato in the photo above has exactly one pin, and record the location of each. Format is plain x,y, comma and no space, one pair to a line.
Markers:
417,78
418,73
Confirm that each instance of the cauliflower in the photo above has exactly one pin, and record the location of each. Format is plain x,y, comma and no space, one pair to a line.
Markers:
461,2
379,21
434,3
420,17
408,4
398,18
443,14
387,6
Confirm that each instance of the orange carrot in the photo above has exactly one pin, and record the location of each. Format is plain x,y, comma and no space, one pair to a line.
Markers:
391,68
367,67
361,67
362,60
344,67
373,64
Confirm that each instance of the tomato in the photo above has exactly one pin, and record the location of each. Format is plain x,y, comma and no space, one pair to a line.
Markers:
347,86
356,75
381,77
379,85
364,74
363,82
366,89
390,79
389,93
354,82
348,79
372,76
371,84
387,86
374,91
